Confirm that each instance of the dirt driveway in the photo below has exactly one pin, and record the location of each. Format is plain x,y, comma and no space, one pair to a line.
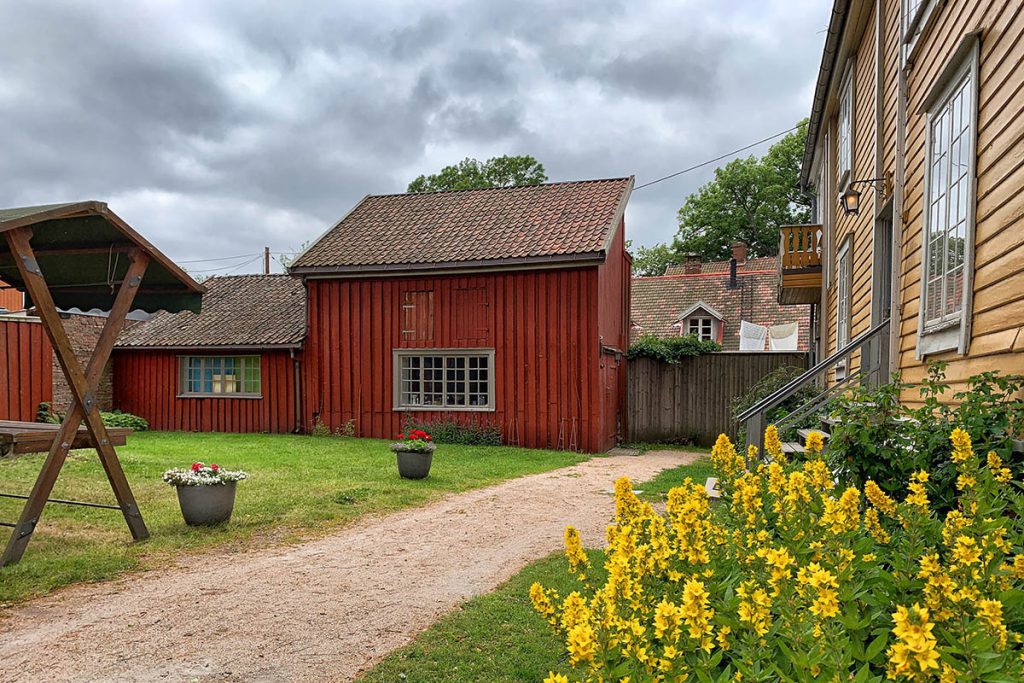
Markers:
323,610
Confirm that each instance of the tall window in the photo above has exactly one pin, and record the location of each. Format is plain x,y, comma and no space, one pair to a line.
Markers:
843,277
702,328
950,207
236,376
444,380
912,11
845,128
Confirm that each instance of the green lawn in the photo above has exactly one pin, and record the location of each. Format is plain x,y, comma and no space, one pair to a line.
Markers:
657,488
496,637
299,486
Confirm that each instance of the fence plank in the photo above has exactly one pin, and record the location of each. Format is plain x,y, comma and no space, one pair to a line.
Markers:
692,400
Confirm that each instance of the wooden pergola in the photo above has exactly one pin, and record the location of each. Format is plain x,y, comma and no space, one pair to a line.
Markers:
81,255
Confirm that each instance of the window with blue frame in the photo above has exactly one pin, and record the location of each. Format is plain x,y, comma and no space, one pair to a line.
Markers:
236,376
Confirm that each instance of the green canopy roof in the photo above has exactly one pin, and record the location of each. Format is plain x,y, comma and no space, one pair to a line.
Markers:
82,249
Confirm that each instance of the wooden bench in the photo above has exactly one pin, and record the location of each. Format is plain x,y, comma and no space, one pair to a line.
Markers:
37,437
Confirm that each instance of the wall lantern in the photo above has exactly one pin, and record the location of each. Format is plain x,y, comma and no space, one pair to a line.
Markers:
849,198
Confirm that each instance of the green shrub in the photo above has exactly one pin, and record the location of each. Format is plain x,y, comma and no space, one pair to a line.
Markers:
768,385
877,437
447,430
124,420
671,349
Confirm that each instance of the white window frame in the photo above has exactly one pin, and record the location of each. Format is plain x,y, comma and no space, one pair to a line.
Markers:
397,378
701,323
950,332
844,317
222,384
827,204
847,114
911,16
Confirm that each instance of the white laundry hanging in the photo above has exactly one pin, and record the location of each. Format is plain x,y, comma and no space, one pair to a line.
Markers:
784,337
752,336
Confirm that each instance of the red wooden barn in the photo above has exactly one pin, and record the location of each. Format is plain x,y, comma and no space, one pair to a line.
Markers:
506,306
232,368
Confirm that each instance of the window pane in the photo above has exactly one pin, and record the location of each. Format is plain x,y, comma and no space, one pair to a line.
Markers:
448,381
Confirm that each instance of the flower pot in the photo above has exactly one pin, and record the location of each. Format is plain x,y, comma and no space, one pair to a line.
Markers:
207,505
414,464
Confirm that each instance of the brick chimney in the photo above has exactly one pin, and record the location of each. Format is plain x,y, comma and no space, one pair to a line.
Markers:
739,252
691,266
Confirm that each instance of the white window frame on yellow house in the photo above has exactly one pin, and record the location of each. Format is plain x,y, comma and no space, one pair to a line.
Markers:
844,300
845,120
951,330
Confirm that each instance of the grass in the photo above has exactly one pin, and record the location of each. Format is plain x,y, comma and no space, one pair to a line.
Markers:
300,486
657,488
496,637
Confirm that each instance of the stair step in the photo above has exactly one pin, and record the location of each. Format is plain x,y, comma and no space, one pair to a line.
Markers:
793,447
804,432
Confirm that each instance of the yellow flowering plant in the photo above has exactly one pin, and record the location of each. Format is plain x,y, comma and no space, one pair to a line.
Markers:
789,577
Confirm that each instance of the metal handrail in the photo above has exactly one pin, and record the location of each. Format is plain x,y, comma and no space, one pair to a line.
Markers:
793,386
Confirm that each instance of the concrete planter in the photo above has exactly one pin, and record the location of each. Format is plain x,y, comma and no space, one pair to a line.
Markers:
207,505
413,464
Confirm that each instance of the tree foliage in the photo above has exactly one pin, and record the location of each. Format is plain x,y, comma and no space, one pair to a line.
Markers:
748,200
651,261
469,174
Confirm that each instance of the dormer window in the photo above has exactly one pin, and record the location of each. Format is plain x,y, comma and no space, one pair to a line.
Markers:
702,328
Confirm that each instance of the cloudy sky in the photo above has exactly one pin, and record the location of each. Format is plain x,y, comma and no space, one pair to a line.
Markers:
218,127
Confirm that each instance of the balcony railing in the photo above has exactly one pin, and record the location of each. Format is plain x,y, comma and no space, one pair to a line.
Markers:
799,264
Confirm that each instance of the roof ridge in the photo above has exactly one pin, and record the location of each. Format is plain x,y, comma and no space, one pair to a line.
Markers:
503,187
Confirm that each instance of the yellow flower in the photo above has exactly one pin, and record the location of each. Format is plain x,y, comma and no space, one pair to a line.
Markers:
541,600
918,496
667,617
966,551
755,607
814,443
873,525
823,585
581,643
697,613
556,678
962,449
574,550
913,655
878,498
773,445
965,481
991,614
725,459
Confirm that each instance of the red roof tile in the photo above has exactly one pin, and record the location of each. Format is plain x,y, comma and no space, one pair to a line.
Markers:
238,310
763,263
658,302
554,221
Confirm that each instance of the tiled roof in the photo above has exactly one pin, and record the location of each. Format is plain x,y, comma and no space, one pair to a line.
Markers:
759,263
238,310
540,222
658,302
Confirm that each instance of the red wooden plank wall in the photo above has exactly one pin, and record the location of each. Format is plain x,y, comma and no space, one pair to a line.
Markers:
146,384
26,371
614,278
542,324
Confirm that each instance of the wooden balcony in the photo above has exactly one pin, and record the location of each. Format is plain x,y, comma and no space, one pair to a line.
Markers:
800,264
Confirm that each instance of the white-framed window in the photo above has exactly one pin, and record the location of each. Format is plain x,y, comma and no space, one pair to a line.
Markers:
911,11
843,284
949,215
444,379
702,328
844,132
219,376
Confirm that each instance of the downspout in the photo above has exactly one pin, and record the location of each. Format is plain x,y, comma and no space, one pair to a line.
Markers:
297,380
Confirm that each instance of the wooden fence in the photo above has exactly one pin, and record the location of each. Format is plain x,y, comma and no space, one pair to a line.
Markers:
692,400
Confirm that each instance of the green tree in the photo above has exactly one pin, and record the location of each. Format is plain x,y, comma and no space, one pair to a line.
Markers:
650,261
469,174
748,200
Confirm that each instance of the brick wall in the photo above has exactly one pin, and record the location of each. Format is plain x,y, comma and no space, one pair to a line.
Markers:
84,332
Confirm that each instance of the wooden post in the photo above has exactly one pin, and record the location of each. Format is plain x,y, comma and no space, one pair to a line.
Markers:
83,389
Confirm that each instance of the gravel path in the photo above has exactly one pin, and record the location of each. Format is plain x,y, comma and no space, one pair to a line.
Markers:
323,610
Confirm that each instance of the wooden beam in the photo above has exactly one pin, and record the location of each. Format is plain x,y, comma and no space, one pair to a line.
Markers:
83,388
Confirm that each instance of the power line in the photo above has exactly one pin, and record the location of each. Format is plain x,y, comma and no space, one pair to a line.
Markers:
224,258
230,267
711,161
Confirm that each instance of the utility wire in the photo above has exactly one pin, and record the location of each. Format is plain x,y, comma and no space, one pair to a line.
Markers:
230,267
711,161
224,258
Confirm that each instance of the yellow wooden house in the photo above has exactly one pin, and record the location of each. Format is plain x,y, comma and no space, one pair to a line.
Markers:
915,150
